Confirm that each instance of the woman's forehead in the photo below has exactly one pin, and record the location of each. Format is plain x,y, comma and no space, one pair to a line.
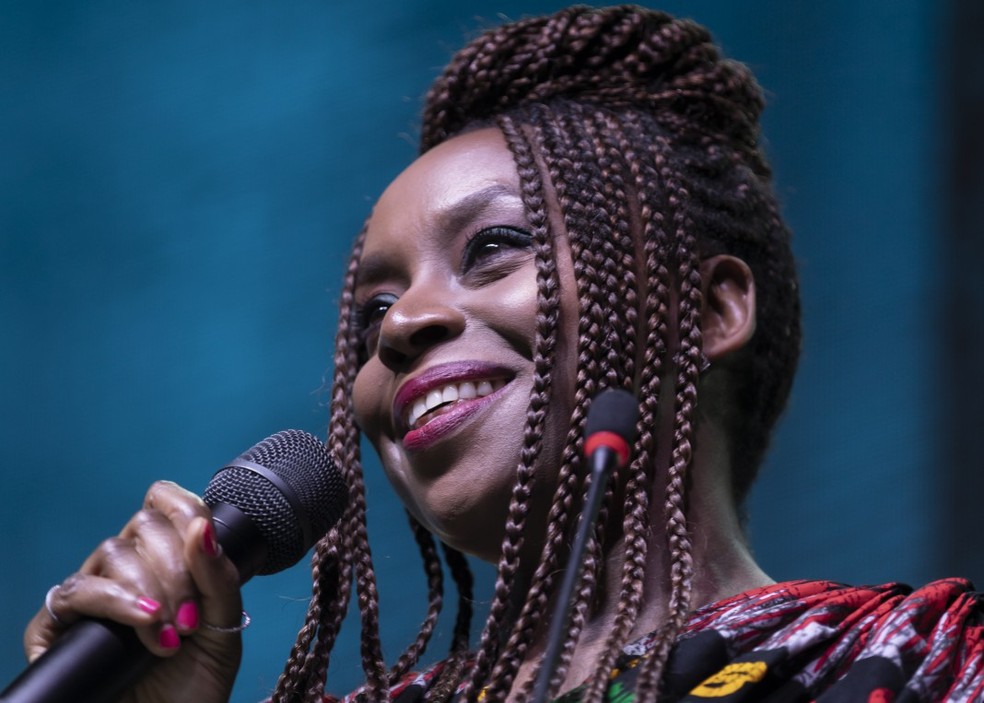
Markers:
465,163
446,188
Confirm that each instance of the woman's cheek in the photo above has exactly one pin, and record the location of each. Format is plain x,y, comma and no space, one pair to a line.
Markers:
514,313
371,413
367,401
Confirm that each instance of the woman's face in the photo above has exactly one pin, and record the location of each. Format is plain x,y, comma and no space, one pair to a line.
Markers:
446,300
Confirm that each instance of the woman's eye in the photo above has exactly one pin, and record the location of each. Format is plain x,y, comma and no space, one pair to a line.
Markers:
489,244
368,318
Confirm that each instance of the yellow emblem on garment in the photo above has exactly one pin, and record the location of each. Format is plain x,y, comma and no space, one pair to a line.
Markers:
730,679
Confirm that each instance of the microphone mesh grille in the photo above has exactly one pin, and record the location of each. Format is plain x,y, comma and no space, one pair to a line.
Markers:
613,410
302,462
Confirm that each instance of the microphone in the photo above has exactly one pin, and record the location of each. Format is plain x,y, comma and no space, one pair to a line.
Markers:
609,431
269,506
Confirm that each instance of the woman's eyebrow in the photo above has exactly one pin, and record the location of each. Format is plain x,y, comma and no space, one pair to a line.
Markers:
372,268
459,213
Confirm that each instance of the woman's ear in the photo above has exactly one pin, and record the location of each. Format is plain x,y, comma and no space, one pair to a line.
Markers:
728,316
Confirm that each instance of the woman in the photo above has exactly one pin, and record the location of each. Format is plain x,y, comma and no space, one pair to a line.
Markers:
590,210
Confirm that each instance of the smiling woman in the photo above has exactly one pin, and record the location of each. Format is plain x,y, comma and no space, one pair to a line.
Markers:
591,209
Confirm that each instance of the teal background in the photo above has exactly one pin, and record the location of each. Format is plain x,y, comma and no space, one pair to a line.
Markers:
179,183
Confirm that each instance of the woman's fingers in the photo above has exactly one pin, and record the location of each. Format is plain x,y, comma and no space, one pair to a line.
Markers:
164,575
143,566
178,505
215,578
82,595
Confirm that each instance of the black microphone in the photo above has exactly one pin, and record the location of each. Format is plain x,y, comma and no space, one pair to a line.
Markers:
609,432
269,506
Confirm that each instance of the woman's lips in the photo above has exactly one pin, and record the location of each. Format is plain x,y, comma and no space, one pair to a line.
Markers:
440,400
444,397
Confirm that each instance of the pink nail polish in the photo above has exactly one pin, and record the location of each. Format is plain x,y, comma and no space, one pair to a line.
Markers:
209,543
168,637
187,617
148,605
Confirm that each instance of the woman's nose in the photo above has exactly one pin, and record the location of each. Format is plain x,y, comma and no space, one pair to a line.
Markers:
416,322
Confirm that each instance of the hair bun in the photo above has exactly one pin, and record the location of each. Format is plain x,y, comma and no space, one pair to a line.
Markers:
617,56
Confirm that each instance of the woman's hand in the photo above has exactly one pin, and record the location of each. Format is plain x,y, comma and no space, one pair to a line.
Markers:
165,576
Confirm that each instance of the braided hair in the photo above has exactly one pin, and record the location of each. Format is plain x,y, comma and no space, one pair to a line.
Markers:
647,141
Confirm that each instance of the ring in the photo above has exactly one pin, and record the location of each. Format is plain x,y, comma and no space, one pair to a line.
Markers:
244,623
47,605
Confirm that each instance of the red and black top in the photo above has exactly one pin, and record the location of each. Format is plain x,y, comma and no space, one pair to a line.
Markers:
810,641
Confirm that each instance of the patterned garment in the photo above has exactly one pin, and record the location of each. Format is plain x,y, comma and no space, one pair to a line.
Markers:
810,641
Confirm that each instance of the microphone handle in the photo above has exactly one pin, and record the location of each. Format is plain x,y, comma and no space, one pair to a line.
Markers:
114,660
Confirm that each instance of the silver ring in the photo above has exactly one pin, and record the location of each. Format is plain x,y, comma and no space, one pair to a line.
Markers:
243,624
47,605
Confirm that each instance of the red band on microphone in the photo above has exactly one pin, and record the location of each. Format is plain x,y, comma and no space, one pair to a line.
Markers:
611,440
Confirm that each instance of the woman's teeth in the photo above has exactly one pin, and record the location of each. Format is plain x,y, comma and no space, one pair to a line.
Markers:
451,393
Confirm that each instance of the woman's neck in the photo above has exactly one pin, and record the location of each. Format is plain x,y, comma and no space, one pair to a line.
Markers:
723,567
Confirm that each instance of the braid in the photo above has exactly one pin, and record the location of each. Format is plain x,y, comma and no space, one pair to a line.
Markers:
609,198
304,665
611,316
641,469
454,666
435,593
328,606
315,667
462,577
562,166
543,361
688,369
344,435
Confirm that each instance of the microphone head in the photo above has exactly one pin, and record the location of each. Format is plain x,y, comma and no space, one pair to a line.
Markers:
289,488
613,410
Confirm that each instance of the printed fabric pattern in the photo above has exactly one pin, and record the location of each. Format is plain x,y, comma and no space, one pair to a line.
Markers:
802,641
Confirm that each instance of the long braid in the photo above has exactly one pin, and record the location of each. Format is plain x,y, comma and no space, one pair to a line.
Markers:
464,581
570,174
654,345
315,667
592,223
543,361
688,369
365,581
659,251
501,677
607,228
344,435
323,620
435,596
592,337
611,236
302,664
454,666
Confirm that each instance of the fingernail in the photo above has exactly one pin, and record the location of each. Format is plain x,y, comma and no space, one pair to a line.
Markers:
209,543
187,617
148,605
168,637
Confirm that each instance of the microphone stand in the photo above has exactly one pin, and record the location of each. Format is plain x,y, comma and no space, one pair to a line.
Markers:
602,462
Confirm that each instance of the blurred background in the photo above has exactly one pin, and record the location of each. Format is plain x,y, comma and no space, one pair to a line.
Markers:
179,184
